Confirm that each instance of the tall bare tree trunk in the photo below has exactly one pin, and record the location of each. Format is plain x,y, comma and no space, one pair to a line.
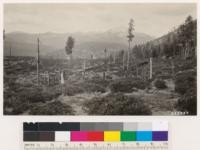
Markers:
70,61
105,63
150,73
38,60
123,61
128,57
114,57
173,67
84,67
10,51
4,37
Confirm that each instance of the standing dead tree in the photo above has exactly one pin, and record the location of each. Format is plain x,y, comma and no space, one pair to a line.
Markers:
122,57
105,63
10,50
130,37
4,37
4,34
38,59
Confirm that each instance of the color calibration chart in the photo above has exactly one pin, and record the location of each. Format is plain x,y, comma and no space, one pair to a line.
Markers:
96,136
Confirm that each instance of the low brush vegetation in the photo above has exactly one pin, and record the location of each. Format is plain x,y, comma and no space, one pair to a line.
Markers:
127,85
87,86
53,108
71,90
92,87
160,84
99,81
117,104
184,81
188,102
186,86
21,99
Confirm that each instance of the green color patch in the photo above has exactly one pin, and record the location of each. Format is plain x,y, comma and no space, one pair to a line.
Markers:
128,136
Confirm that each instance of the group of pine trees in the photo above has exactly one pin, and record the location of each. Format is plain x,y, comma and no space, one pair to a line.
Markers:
181,42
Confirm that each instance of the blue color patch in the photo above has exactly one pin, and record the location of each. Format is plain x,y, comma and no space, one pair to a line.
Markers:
144,136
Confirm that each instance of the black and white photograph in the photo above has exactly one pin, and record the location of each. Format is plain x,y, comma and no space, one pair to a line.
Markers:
100,59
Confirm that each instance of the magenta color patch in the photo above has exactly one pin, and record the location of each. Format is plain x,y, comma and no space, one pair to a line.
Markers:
78,136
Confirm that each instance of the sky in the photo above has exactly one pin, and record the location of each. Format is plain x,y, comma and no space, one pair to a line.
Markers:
154,19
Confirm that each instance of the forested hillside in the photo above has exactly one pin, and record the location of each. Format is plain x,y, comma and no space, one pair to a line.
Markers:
178,43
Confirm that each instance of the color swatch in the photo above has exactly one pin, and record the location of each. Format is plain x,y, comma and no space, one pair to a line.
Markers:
128,135
97,131
111,136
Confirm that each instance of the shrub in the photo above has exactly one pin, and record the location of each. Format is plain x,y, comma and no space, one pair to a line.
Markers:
120,73
185,81
85,86
20,108
165,76
35,95
72,90
121,86
127,85
160,84
188,64
92,87
188,102
8,96
20,100
18,105
99,81
186,85
53,108
117,104
50,95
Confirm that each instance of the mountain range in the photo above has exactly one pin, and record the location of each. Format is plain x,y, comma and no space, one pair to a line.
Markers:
53,44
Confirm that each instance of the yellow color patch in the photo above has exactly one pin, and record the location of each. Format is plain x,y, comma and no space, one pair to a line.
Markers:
111,136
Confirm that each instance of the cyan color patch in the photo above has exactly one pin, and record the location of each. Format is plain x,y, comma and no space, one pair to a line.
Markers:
144,136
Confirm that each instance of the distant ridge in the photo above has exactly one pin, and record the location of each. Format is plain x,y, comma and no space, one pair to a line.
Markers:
52,44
